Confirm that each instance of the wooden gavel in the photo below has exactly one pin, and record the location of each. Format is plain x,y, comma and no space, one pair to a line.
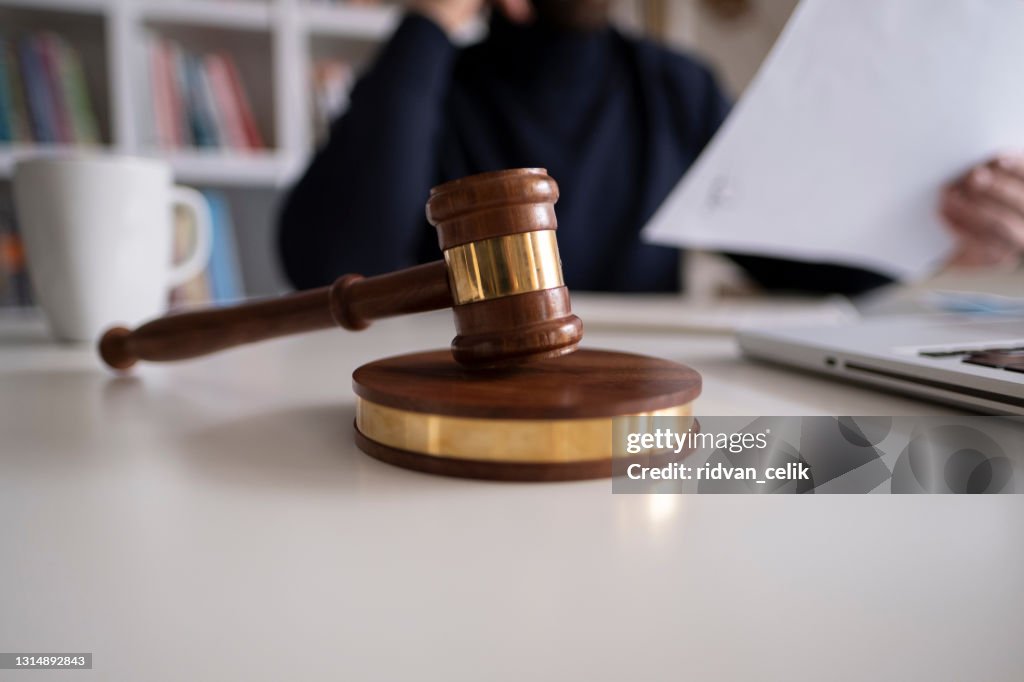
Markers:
501,275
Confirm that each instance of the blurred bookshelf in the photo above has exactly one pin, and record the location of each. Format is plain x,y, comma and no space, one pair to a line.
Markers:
150,78
233,94
273,45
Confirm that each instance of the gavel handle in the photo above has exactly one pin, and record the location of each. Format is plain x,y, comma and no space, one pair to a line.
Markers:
352,302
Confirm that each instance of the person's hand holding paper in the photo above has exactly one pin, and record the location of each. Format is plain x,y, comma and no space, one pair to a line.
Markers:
985,208
859,137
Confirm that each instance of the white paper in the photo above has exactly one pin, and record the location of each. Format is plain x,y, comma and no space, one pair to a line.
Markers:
839,150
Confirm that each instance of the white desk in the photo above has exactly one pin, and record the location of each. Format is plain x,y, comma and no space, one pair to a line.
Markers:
213,521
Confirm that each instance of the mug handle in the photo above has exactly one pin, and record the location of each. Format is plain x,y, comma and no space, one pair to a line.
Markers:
196,261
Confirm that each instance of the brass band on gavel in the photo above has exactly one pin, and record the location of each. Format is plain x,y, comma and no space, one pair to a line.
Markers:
504,266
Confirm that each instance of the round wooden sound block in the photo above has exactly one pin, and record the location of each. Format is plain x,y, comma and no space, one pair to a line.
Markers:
543,421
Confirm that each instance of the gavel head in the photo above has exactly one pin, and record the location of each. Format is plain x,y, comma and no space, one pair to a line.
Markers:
497,232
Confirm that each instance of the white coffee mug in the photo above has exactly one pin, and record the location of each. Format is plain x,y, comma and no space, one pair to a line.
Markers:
99,239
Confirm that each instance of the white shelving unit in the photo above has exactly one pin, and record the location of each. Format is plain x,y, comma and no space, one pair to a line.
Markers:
273,41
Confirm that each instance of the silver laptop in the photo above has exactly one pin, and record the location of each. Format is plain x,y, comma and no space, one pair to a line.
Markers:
967,361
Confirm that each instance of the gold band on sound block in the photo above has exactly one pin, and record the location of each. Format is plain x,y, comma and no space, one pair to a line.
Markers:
544,441
504,266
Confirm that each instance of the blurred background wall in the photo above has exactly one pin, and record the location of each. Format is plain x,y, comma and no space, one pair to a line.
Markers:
733,35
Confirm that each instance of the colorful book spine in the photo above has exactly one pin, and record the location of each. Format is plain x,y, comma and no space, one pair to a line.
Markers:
44,95
7,294
18,113
224,270
19,119
6,105
159,83
229,114
60,109
203,124
175,65
199,100
252,131
37,88
76,94
171,118
15,289
208,102
221,281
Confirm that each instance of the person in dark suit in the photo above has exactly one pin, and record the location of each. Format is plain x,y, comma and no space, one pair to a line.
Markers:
617,121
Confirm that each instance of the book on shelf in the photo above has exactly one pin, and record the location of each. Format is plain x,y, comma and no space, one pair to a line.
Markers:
221,281
40,103
82,121
15,289
15,108
225,267
165,113
332,82
6,106
227,112
202,115
44,95
199,100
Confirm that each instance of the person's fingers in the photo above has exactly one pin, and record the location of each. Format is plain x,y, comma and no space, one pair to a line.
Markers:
985,210
517,11
973,254
959,214
998,185
1012,163
975,247
953,210
984,219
